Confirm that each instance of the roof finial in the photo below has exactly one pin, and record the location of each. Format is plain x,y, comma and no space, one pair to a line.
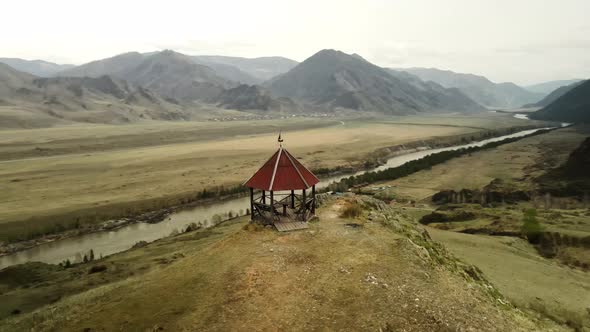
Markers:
280,140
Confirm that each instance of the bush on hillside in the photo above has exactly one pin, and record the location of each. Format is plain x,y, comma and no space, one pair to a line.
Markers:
531,227
352,210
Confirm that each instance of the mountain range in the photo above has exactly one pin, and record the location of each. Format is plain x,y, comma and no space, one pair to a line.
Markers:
169,85
479,88
334,79
31,101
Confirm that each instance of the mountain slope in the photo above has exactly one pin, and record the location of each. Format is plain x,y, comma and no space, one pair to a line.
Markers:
548,87
114,66
337,80
479,88
167,73
43,102
262,68
35,67
554,95
574,106
177,76
444,98
252,97
229,72
12,79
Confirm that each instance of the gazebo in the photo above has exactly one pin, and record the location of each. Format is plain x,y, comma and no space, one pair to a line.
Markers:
273,192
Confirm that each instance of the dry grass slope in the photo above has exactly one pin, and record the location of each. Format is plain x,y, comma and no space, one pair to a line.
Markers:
383,274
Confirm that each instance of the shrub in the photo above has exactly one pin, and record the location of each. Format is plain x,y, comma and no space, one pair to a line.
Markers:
97,268
531,227
191,227
353,210
433,217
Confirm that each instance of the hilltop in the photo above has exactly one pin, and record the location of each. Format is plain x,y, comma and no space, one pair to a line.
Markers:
376,271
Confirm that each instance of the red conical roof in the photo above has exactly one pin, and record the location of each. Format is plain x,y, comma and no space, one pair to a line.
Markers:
282,172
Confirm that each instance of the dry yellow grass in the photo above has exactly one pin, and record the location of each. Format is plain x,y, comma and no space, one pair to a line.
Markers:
330,277
119,167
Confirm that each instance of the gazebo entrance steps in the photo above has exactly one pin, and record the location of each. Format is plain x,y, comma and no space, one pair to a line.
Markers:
287,226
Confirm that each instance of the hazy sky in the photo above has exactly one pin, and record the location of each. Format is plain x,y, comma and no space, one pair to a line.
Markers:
524,41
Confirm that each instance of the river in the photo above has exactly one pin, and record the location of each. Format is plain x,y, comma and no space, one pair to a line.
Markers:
110,242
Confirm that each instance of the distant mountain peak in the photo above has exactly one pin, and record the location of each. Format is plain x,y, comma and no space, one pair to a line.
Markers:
478,88
334,79
35,67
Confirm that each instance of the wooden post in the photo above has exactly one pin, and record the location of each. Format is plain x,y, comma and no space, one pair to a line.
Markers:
272,206
252,204
263,197
313,199
304,206
292,199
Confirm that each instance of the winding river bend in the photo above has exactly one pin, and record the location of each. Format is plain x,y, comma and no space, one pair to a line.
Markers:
110,242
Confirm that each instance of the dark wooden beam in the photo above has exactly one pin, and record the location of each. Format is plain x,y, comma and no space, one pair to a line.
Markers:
304,206
313,199
292,199
272,206
263,197
252,204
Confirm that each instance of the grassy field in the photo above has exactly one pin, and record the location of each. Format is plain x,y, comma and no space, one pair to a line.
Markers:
512,163
379,275
527,279
89,173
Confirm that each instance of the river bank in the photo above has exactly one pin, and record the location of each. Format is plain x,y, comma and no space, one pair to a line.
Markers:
212,210
75,224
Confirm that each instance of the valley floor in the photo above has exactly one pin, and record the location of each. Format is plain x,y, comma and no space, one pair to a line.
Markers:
56,177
